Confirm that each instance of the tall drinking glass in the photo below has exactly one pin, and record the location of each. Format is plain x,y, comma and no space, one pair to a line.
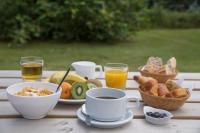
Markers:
31,68
116,75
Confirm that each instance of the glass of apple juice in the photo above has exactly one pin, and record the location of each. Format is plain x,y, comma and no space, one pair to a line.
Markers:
31,68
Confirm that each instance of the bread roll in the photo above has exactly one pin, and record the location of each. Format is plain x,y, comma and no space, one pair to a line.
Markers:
162,90
180,92
172,85
169,95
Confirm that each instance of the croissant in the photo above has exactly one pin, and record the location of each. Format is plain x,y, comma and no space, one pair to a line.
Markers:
142,87
150,84
154,90
140,79
147,84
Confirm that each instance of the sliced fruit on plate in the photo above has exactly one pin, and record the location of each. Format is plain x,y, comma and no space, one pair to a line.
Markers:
91,85
79,90
57,77
66,91
95,82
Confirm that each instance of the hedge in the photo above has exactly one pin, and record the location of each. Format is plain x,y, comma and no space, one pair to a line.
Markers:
81,20
161,18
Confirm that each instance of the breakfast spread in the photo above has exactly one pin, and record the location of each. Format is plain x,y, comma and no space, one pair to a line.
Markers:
169,89
30,91
74,85
155,65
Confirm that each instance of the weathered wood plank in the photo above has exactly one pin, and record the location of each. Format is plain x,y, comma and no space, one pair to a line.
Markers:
188,111
17,74
195,95
4,82
3,96
62,125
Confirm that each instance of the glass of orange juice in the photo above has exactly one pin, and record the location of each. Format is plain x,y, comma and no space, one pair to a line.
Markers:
116,75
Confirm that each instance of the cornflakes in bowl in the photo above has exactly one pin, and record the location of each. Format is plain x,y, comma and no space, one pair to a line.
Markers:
33,100
30,91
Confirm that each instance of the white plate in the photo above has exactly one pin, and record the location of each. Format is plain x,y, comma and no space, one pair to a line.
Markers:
72,101
99,124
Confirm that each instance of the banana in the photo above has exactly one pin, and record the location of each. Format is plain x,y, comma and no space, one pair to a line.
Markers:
76,78
57,77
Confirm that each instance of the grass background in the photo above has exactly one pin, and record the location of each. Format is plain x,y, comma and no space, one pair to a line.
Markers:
183,44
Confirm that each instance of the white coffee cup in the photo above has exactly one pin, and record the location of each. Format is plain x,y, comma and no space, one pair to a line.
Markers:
107,109
87,69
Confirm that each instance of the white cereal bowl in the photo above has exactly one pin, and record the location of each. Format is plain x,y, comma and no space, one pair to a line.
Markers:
157,121
33,107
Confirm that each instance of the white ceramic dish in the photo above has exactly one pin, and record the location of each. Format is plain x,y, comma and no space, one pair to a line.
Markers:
87,69
156,121
72,101
100,124
33,107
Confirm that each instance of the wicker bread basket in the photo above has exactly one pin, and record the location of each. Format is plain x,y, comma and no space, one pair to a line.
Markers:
162,102
161,78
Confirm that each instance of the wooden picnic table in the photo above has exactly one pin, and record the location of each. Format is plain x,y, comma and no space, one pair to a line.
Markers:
63,118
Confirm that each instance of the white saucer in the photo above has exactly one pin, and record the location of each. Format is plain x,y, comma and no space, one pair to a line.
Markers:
127,118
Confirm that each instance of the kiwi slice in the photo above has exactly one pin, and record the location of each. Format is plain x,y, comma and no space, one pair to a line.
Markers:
78,90
95,82
91,86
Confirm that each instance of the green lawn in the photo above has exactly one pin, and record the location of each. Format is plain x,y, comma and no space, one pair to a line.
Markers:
183,44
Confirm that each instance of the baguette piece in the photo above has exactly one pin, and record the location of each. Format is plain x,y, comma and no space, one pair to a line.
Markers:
171,66
153,65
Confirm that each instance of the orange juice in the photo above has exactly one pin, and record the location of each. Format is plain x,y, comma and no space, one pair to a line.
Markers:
116,78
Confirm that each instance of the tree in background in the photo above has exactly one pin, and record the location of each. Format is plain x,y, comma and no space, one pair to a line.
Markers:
174,5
